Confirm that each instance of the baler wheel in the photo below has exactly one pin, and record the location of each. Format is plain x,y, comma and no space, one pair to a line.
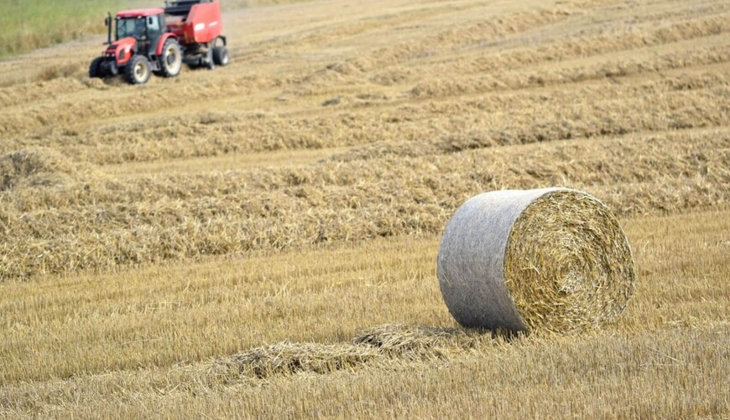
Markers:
220,56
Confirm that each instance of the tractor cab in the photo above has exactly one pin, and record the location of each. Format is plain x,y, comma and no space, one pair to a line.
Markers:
140,23
140,28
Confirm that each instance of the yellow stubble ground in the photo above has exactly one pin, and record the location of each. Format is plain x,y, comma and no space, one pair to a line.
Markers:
427,103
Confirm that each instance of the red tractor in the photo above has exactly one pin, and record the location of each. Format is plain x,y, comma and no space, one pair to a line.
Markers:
159,41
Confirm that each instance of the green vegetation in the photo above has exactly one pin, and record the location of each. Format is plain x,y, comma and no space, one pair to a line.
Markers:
28,25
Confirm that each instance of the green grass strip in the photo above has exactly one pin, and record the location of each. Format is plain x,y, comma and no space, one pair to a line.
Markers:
28,25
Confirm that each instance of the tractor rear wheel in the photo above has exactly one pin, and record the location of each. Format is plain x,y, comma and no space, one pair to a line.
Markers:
171,58
220,56
138,70
95,69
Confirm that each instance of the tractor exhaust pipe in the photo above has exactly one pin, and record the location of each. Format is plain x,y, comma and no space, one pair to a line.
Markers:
108,23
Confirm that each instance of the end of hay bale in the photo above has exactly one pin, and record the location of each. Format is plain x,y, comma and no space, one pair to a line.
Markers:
550,259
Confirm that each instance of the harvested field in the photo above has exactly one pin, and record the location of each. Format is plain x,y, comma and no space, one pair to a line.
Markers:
260,240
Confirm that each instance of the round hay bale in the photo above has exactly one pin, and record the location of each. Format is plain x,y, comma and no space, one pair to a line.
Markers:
553,259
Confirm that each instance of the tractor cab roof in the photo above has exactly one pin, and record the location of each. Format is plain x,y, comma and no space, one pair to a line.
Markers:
136,13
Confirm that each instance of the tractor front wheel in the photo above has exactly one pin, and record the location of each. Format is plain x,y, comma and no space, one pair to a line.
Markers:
138,70
95,69
220,56
171,58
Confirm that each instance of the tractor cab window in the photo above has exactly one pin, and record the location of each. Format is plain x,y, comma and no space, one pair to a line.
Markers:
135,27
153,24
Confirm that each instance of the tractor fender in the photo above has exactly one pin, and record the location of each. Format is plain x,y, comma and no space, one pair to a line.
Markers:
121,51
161,42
